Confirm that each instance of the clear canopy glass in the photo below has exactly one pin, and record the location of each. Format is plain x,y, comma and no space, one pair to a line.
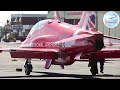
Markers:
38,26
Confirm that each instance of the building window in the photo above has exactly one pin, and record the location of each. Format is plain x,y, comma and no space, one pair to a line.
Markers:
29,20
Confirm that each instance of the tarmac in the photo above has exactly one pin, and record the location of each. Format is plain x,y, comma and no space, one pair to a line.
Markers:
78,70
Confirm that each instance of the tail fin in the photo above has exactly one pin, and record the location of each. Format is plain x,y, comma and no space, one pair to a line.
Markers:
87,20
57,16
91,20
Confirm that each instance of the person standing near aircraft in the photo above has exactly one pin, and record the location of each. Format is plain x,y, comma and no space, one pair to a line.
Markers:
101,61
102,65
91,26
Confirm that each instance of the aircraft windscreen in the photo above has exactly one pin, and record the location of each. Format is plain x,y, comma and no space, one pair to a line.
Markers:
38,26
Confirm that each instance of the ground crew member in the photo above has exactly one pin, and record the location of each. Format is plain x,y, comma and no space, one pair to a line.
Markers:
101,61
102,65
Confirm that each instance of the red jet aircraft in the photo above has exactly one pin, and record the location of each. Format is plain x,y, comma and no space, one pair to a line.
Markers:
58,43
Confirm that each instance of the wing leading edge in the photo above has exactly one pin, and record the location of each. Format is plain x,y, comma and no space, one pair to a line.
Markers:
103,54
110,40
39,53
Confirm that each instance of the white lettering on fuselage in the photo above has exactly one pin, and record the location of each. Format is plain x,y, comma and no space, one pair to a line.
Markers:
48,45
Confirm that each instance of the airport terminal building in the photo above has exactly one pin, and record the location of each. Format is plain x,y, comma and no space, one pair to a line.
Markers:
71,17
22,23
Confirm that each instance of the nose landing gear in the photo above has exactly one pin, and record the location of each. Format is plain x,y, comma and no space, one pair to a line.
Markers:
28,66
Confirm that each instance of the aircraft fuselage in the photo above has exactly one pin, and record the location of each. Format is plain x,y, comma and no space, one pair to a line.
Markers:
68,38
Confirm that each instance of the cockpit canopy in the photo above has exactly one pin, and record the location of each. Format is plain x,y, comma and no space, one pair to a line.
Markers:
38,26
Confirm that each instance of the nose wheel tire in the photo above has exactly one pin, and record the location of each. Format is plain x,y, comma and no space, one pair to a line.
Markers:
28,69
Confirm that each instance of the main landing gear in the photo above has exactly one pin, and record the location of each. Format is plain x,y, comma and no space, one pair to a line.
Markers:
28,66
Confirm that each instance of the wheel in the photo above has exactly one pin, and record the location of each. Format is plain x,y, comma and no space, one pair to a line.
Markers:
28,69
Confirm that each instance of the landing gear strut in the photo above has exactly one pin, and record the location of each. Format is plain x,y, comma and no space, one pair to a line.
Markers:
28,66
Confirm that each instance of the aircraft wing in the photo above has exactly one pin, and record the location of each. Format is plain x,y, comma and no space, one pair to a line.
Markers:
104,53
112,47
109,40
42,53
